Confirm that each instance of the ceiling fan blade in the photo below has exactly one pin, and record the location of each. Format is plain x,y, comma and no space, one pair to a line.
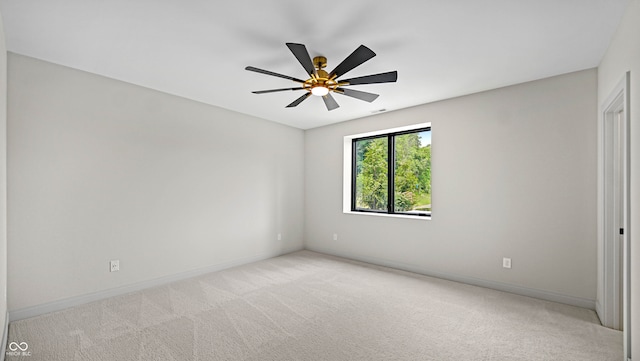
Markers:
330,102
274,90
298,101
359,56
367,97
301,53
267,72
388,77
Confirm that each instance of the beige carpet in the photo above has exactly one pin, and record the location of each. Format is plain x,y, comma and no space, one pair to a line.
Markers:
308,306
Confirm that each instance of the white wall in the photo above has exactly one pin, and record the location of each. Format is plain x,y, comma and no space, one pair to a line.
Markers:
100,169
514,175
624,55
3,179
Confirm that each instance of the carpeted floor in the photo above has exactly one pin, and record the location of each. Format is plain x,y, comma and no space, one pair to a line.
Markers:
308,306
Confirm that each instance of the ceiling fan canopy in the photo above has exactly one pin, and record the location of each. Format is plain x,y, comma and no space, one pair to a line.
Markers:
323,83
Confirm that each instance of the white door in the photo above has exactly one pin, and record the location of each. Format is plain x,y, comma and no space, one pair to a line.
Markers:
614,213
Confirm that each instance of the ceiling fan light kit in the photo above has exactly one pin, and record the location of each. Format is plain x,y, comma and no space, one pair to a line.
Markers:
322,84
319,90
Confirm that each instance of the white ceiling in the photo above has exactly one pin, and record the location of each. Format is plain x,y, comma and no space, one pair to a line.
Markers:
198,49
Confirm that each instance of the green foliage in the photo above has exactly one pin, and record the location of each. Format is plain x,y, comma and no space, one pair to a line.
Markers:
412,170
372,174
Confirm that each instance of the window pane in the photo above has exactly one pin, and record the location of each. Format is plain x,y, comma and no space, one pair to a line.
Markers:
371,174
412,180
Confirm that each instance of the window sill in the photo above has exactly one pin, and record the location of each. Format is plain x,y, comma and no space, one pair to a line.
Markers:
406,216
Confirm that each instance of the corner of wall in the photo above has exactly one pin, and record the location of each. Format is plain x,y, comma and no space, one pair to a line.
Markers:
3,188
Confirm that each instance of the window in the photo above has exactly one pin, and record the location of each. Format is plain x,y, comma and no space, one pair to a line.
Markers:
391,173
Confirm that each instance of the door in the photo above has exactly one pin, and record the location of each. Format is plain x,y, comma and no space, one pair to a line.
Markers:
613,244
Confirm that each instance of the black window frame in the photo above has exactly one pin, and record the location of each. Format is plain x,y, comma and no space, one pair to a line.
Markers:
390,173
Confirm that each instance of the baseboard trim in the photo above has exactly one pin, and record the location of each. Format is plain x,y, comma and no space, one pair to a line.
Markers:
60,305
5,336
499,286
599,310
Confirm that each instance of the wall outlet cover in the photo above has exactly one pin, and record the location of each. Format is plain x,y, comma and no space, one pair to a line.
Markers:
114,265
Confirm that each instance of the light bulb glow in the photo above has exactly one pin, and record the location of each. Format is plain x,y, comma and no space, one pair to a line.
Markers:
319,91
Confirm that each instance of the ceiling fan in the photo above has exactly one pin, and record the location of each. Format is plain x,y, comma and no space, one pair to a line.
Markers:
321,83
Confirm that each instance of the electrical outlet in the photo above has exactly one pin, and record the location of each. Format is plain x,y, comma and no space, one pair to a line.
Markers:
279,236
335,236
506,262
114,265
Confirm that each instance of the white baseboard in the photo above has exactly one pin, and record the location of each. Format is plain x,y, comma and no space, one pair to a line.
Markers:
519,290
599,311
5,336
59,305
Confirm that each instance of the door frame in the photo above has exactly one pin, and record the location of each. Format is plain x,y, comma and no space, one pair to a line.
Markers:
612,251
